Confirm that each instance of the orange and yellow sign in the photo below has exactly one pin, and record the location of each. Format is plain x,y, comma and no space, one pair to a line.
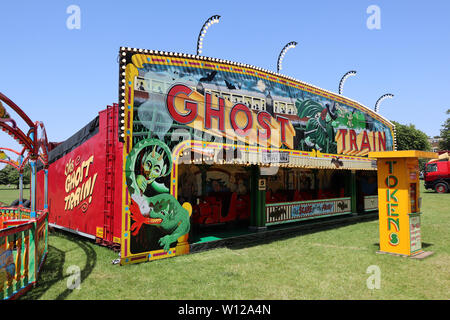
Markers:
360,144
398,200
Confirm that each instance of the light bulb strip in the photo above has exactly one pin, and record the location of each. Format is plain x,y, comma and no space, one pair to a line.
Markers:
383,97
344,78
288,46
212,20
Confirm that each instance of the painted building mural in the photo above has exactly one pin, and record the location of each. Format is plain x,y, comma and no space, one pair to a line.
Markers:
158,218
173,105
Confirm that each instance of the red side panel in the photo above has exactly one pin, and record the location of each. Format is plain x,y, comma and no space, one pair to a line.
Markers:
39,190
113,176
118,188
77,186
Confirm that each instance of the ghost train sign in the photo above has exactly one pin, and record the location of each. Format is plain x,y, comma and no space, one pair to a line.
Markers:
349,142
183,109
235,121
236,102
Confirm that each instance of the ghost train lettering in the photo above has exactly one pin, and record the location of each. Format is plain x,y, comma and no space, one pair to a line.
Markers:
233,121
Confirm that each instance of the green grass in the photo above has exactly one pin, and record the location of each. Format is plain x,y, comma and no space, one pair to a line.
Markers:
328,264
10,193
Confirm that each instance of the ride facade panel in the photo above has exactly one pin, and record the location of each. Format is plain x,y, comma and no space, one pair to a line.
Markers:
207,141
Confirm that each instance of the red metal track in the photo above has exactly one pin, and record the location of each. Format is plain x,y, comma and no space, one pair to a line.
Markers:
12,150
30,141
10,163
16,109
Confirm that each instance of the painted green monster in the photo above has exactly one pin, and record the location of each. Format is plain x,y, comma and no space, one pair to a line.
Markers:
159,208
319,132
350,119
152,167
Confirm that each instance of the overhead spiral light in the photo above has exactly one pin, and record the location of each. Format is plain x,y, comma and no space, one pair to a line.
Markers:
290,45
212,20
383,97
344,78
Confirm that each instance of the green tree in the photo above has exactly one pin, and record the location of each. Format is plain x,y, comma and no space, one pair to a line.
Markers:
3,176
10,175
26,174
13,176
444,144
410,138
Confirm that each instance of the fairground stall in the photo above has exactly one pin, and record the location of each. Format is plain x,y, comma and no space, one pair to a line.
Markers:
23,228
200,149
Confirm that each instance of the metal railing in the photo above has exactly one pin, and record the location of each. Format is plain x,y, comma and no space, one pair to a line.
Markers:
370,203
277,213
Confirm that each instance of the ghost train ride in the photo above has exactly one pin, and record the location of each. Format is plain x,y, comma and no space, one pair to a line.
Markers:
200,149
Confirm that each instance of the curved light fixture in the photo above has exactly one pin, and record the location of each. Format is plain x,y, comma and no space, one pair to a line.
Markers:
347,75
384,96
212,20
290,45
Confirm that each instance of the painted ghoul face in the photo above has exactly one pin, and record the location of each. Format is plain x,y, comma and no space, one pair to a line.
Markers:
153,165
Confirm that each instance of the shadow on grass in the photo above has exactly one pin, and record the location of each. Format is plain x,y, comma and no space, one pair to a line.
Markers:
52,271
424,245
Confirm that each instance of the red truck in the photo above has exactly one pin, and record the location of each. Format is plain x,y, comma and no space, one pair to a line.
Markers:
437,174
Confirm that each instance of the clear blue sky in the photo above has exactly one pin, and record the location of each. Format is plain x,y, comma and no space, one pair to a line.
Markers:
65,77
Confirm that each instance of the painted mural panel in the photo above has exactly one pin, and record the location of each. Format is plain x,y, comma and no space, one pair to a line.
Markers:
169,100
234,103
158,218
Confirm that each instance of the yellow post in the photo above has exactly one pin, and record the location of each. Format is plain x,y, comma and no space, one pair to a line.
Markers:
399,200
182,244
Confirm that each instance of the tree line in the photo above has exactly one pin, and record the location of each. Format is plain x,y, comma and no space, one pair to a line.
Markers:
444,144
411,138
10,176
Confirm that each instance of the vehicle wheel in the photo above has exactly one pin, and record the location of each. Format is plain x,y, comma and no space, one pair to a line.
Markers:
441,187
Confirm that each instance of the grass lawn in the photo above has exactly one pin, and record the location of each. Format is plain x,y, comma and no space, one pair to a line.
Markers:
10,193
328,264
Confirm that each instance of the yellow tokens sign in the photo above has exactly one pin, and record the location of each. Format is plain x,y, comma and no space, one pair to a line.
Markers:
398,200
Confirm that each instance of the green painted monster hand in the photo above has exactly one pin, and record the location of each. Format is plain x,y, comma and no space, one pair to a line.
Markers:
175,219
166,241
141,182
